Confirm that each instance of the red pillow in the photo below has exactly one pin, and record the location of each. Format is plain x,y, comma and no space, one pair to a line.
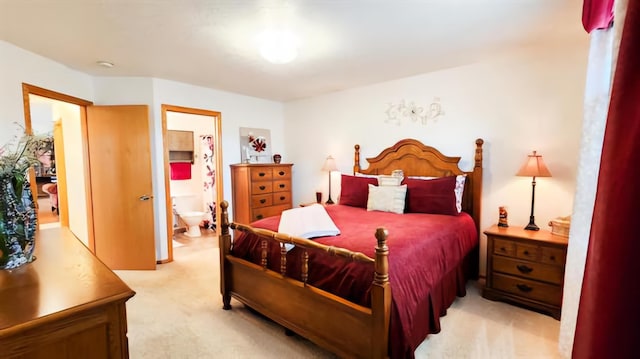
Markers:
354,190
435,196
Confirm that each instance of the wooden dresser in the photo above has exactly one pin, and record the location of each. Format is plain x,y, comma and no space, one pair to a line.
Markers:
526,268
65,304
260,190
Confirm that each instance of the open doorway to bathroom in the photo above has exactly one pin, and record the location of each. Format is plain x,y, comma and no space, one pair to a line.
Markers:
193,180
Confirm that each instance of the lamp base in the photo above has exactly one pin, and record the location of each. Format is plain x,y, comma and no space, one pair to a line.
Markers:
532,226
329,201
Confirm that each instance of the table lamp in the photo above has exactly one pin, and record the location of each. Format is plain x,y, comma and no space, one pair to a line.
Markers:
329,165
533,167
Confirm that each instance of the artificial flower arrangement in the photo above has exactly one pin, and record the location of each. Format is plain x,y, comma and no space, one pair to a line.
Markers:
17,209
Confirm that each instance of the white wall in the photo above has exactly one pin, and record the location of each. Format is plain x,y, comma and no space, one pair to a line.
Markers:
524,100
74,165
18,66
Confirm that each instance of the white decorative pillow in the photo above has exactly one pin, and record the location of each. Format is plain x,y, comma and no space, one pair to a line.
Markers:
387,198
458,190
389,180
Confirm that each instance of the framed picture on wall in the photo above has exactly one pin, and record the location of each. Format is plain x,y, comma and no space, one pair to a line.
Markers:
255,145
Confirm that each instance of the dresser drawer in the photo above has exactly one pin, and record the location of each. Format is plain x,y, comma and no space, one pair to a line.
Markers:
531,270
504,247
262,200
553,256
282,186
264,212
281,172
281,198
261,174
261,187
548,293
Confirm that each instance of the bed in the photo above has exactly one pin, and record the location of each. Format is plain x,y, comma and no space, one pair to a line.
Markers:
337,291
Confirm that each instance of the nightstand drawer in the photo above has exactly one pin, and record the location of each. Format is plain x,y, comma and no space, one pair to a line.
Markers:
548,293
262,200
553,256
530,270
528,251
503,247
261,187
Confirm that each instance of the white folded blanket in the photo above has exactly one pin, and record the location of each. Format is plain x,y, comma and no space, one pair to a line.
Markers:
307,222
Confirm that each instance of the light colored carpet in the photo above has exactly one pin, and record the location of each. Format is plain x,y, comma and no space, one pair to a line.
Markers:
177,313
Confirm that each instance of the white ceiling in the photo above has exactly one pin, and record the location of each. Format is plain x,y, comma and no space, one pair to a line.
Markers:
344,43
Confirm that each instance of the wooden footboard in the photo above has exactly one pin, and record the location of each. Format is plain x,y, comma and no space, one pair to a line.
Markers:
345,328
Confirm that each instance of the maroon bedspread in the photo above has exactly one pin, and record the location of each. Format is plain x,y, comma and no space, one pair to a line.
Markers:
425,265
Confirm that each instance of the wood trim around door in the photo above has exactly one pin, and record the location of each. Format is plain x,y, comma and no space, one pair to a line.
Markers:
27,90
217,125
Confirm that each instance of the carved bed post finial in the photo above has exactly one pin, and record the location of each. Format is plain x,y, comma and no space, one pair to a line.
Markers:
224,206
382,257
356,159
478,157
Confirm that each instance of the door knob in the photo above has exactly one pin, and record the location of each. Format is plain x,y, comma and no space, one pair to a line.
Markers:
145,197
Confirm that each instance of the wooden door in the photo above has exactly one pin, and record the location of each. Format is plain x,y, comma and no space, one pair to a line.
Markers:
120,166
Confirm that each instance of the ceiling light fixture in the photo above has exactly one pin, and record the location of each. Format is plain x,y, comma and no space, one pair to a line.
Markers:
278,46
106,64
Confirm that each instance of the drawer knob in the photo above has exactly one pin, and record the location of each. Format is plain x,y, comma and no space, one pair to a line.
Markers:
282,186
282,198
524,269
262,188
281,173
261,174
526,253
263,200
524,288
553,258
503,249
259,216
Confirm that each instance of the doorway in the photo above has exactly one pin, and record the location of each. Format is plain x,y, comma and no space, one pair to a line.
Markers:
60,196
193,175
116,222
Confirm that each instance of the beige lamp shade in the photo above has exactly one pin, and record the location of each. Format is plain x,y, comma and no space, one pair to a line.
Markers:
329,164
534,167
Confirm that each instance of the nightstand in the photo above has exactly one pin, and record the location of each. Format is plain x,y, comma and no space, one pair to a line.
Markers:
526,268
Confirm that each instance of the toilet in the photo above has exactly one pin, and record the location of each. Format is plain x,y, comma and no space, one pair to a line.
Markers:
185,206
192,220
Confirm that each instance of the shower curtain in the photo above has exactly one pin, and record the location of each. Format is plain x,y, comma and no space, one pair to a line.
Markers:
209,180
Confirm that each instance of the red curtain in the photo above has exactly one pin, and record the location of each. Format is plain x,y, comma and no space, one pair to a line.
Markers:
608,323
597,14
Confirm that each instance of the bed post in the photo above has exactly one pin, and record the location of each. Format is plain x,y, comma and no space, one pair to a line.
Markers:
477,184
381,298
224,242
356,159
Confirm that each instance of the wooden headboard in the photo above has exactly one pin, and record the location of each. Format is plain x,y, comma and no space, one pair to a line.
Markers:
417,159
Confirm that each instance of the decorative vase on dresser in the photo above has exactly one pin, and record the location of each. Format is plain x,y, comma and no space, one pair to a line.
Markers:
260,190
526,267
17,223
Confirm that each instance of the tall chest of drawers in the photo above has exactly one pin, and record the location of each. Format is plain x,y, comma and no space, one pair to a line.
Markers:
526,268
260,190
